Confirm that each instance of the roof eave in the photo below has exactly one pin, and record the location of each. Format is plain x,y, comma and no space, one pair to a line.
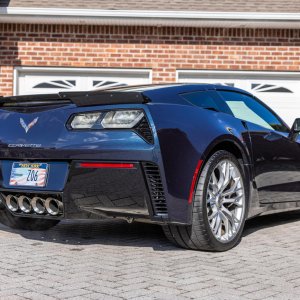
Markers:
149,18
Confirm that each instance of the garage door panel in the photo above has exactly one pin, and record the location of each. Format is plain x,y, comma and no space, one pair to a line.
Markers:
53,80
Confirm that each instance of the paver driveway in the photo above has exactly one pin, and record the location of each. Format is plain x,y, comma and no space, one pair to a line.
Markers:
113,260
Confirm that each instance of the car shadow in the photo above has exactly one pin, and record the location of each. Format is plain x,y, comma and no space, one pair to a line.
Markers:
272,220
120,233
104,232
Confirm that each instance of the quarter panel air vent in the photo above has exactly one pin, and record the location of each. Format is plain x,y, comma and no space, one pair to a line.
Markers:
156,188
144,130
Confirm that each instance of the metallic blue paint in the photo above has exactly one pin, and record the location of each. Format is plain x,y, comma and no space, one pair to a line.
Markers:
183,134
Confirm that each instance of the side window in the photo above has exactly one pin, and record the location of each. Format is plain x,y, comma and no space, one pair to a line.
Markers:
206,99
248,109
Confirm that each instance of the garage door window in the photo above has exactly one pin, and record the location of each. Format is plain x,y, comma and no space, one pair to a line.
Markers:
31,80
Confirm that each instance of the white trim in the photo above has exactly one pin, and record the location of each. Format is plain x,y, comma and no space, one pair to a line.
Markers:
142,17
79,70
237,74
15,81
150,14
18,70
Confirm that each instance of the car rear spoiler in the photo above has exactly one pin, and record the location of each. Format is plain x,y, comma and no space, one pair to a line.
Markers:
78,98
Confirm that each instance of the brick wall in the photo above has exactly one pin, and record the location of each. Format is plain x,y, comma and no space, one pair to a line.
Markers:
162,49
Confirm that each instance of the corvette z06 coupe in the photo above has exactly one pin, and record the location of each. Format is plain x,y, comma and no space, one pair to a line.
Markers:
197,159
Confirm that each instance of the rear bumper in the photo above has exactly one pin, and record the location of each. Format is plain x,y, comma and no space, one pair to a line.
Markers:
94,192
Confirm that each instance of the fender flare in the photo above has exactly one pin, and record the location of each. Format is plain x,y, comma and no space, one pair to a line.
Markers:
246,153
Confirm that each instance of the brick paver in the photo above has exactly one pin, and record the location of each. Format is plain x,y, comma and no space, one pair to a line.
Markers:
115,260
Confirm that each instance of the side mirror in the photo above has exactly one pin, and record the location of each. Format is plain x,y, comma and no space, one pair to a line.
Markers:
295,130
296,126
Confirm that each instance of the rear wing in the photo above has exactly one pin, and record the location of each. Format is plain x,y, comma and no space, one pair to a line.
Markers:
90,98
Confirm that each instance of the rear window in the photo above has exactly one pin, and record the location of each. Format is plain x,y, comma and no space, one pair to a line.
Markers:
202,99
206,99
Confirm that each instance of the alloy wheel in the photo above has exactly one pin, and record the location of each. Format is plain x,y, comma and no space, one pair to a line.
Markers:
225,201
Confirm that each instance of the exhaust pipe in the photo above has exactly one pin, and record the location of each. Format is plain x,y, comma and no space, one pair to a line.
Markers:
53,206
12,203
25,204
38,205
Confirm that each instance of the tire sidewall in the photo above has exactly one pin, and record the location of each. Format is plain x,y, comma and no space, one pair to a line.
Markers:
203,181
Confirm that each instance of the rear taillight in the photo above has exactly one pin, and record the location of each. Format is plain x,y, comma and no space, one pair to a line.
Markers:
112,119
131,119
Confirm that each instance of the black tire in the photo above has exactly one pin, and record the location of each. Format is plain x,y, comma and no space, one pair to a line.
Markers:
199,236
7,219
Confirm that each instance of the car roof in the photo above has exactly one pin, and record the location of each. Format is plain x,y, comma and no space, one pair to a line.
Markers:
130,94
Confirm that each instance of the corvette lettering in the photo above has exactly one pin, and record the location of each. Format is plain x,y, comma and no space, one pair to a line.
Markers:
24,145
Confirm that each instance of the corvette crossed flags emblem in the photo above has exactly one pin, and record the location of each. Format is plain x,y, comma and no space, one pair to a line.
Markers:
30,125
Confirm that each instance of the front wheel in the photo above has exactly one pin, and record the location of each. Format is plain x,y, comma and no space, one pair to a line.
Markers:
220,206
7,219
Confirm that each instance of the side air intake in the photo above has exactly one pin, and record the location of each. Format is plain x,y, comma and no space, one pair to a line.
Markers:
156,188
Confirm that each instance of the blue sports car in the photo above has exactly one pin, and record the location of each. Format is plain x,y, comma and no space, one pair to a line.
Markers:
197,159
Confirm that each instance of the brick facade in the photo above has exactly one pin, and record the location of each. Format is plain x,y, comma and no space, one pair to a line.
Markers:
161,49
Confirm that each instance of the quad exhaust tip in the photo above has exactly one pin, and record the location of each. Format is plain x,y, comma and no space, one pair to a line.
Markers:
38,205
25,204
12,203
53,206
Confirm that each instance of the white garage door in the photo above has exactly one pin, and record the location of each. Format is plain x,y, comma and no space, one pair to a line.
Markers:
52,80
279,90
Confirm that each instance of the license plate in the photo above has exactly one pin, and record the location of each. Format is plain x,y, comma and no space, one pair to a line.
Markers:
29,174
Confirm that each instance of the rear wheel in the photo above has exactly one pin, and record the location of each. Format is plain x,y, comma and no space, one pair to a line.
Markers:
6,218
220,207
